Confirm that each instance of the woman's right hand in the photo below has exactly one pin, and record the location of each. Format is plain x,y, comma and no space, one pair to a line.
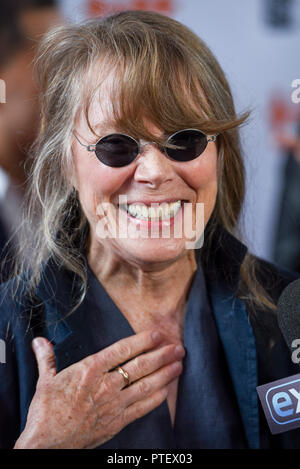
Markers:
86,404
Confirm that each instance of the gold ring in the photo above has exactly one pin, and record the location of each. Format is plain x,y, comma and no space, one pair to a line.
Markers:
125,376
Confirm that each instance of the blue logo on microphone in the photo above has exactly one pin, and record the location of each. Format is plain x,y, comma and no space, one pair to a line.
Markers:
281,403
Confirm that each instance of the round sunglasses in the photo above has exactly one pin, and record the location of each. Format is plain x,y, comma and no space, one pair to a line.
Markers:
119,150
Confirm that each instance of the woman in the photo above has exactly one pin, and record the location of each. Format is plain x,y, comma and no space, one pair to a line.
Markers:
138,130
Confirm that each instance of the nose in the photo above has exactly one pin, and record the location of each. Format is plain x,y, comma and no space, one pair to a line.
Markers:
153,168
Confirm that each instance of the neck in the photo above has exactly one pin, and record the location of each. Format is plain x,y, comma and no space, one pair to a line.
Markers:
157,291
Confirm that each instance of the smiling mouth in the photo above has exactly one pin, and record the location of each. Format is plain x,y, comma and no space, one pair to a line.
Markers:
153,212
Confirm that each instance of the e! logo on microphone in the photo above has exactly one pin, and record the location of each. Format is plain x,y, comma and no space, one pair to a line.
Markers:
281,403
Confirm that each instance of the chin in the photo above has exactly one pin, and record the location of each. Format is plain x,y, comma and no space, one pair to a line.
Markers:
154,250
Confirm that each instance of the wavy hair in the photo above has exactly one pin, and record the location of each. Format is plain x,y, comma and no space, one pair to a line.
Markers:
163,71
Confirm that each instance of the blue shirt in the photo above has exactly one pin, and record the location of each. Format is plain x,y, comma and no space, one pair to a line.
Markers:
207,414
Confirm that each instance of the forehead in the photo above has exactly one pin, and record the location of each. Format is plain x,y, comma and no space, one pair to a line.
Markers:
119,98
99,108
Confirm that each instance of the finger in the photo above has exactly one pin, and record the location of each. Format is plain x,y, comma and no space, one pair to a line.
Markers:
128,348
146,364
44,354
152,383
141,408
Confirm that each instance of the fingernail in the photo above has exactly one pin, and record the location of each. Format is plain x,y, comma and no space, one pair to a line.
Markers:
37,343
177,367
179,351
156,337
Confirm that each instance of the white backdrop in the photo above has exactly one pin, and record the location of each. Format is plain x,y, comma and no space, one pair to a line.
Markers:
258,60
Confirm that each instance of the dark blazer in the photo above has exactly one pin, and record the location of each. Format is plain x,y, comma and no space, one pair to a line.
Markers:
253,345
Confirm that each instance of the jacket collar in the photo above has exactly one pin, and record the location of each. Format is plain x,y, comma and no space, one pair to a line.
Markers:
58,288
222,259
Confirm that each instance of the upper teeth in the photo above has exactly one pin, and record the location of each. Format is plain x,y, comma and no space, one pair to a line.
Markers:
154,211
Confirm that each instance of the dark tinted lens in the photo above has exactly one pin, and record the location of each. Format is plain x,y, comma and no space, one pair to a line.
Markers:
189,144
116,150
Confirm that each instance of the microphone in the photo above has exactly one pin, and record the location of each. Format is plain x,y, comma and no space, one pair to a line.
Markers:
288,311
280,399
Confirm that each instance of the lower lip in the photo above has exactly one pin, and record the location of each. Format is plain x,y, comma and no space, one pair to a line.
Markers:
158,223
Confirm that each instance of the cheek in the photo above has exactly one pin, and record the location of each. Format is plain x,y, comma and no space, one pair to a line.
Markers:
96,182
201,176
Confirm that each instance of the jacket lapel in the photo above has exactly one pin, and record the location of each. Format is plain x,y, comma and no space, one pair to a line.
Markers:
74,335
238,341
235,330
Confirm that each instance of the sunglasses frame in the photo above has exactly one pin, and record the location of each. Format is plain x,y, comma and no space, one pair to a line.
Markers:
92,148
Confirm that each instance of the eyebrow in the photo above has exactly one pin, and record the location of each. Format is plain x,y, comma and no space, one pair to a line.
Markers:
106,129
